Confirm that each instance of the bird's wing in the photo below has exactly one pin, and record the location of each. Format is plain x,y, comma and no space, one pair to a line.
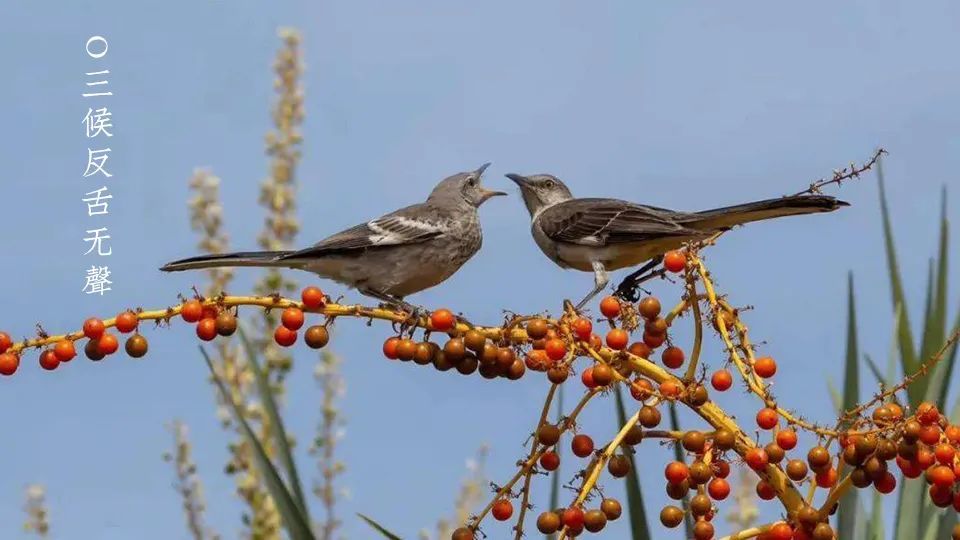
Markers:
410,225
599,222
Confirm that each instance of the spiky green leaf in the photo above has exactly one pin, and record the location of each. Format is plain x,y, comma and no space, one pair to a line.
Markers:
847,512
378,527
293,520
639,528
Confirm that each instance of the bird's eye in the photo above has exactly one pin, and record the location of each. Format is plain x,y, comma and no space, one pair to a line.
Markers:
548,183
472,182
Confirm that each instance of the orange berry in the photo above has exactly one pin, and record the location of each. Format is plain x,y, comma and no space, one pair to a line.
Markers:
718,488
944,453
827,478
602,374
650,308
550,461
952,433
583,329
284,336
675,261
617,339
127,322
556,349
5,342
765,367
502,510
107,344
312,297
586,377
930,434
640,349
191,311
9,363
756,458
641,389
925,458
673,357
64,350
676,472
653,340
207,329
610,307
292,318
573,517
787,439
48,360
767,418
390,347
942,476
669,389
765,491
927,413
721,380
582,445
780,531
93,328
442,320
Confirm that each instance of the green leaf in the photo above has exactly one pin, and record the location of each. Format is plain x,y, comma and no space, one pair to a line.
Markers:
935,327
908,355
875,527
293,519
835,396
639,528
555,480
379,528
678,455
847,513
875,370
276,424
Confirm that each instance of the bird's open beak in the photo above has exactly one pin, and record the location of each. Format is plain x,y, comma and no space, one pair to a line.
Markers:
487,193
480,170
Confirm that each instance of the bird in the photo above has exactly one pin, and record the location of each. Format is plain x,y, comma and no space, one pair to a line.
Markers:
392,256
601,235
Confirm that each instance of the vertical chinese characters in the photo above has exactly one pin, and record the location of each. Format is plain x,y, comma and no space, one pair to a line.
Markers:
98,126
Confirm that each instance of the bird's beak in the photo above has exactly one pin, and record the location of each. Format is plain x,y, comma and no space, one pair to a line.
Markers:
487,193
518,179
482,168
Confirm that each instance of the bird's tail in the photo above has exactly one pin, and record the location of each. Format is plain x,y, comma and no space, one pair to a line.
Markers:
795,205
240,258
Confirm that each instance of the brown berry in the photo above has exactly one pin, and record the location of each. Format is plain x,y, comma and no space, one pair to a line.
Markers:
548,522
618,466
424,352
818,457
633,435
226,323
650,307
406,349
693,441
700,472
463,533
700,505
517,369
317,336
724,439
468,365
537,329
558,374
796,470
455,350
594,520
92,350
136,346
611,508
774,452
671,516
548,435
649,417
703,530
474,341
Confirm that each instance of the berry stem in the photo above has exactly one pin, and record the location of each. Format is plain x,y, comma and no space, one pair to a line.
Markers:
697,325
528,472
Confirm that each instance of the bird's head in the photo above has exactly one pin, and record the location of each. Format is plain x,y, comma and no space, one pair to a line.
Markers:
464,187
541,191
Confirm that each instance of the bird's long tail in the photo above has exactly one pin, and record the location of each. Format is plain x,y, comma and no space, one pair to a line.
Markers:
729,216
240,258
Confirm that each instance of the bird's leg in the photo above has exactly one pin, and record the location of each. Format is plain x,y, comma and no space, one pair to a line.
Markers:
627,289
600,280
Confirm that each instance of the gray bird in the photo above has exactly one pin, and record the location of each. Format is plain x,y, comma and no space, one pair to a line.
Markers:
601,235
390,257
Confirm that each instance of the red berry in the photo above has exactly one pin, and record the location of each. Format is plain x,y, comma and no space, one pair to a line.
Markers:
676,472
944,453
617,339
669,389
641,389
767,418
653,340
582,445
550,461
756,458
64,350
780,531
573,518
675,261
765,367
610,307
583,329
942,476
207,329
443,320
9,363
93,328
284,336
502,510
640,349
127,322
718,489
721,380
886,483
390,347
587,378
107,344
787,439
48,360
927,413
292,318
765,491
191,311
672,357
827,478
5,342
312,297
556,349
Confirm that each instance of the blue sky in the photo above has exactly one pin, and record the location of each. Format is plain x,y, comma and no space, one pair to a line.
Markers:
686,106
